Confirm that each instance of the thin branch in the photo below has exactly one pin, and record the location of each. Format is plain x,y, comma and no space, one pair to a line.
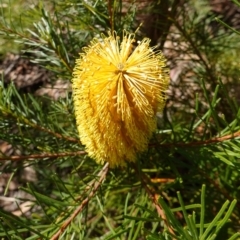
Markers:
95,186
45,155
39,42
18,35
110,15
171,11
154,197
70,139
36,126
194,47
199,143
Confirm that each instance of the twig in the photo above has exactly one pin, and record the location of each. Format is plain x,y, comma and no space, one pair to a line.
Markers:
95,186
198,143
57,135
45,155
38,127
110,15
195,48
154,197
158,207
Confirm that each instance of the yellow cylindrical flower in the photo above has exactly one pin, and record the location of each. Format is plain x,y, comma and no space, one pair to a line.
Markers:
117,90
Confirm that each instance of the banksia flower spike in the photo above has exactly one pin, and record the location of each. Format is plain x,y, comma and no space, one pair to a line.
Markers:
117,91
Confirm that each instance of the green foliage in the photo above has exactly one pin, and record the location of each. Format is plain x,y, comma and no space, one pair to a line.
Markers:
184,187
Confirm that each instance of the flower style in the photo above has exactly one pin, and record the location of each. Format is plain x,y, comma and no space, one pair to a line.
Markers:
117,91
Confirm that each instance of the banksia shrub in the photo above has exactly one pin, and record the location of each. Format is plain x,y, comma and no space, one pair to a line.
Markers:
181,184
118,89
